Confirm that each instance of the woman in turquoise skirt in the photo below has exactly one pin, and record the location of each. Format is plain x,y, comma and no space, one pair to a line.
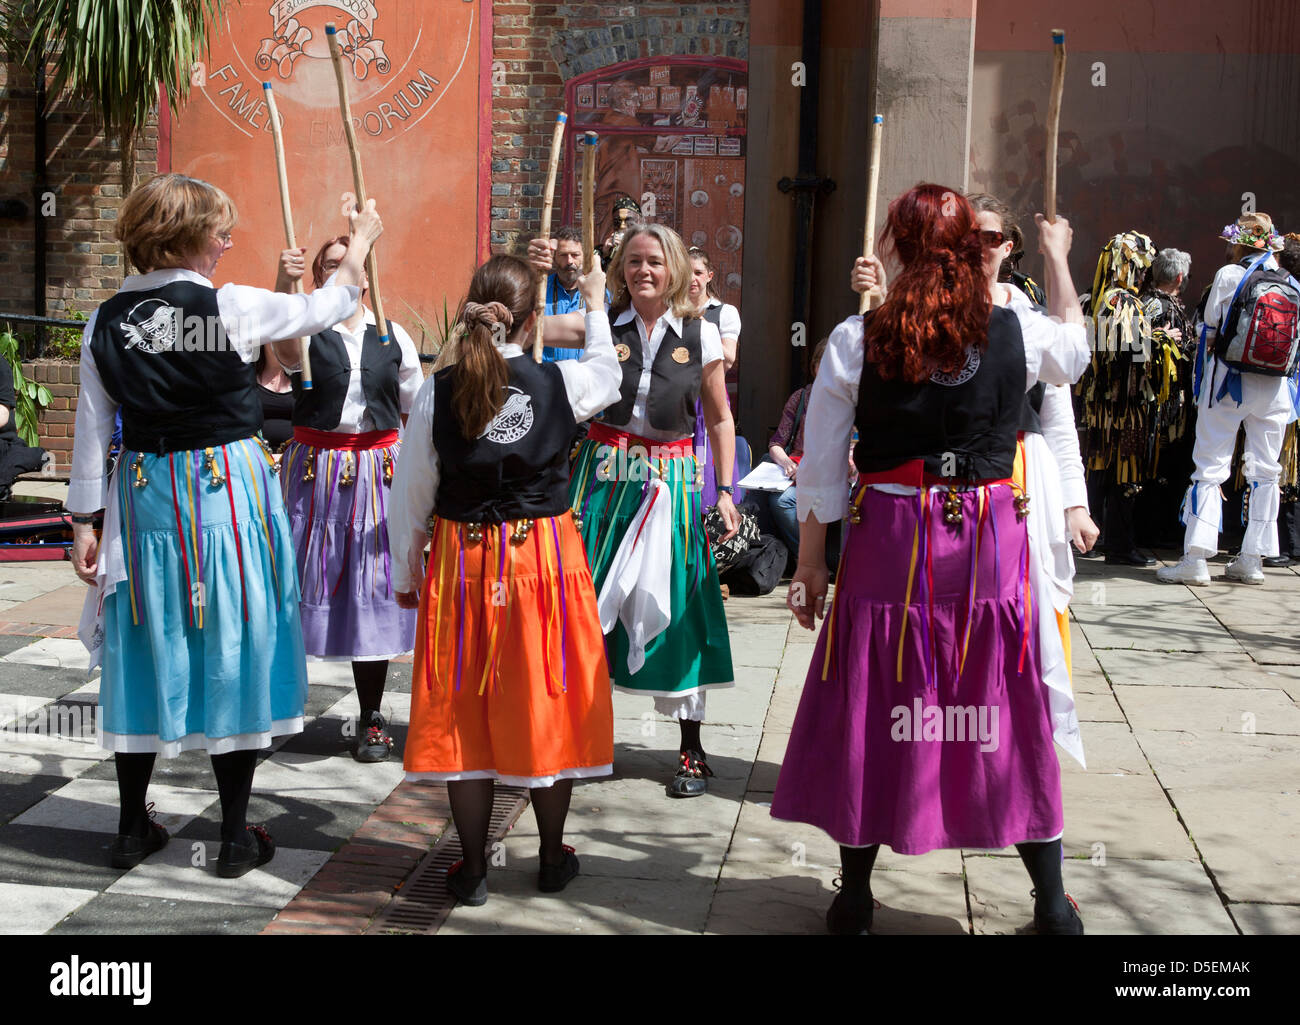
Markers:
635,489
193,611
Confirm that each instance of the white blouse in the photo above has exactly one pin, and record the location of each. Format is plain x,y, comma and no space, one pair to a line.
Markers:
1055,353
710,352
354,419
250,316
591,383
728,319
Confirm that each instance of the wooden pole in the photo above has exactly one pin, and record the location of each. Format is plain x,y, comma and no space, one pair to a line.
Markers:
349,130
868,299
589,202
1054,122
557,141
286,211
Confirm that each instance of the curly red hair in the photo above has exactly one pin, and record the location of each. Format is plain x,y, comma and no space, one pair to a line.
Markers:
939,306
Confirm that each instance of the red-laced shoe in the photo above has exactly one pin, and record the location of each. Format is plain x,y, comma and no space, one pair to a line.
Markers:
554,878
692,776
374,744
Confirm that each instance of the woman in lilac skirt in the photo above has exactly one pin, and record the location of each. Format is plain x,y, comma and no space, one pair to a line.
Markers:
336,474
924,722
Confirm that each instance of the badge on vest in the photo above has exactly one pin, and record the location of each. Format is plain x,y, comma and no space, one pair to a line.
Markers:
623,352
151,331
968,370
681,354
513,422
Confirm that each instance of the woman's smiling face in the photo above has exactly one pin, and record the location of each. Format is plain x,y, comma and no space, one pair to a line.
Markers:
645,270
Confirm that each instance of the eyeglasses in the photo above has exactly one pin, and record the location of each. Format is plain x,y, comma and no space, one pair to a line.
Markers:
992,238
224,236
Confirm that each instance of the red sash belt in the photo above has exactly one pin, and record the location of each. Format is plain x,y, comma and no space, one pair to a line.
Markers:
914,475
615,438
348,442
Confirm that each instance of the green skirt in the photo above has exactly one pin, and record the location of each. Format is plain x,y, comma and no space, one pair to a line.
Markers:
694,652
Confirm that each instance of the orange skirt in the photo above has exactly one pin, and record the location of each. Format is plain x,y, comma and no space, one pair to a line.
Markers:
510,679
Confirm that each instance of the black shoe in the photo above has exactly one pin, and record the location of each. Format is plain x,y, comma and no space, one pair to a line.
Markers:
1130,558
692,776
1066,924
849,914
554,878
129,851
373,742
468,889
1277,561
237,859
1091,553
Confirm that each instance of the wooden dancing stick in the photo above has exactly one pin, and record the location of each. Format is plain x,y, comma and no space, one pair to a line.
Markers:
345,106
868,299
557,141
287,212
589,202
1054,122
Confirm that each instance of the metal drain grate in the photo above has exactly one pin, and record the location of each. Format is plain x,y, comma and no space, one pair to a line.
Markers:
422,905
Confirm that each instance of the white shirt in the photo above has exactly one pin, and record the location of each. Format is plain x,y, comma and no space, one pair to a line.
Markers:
354,419
710,352
1055,353
591,383
728,319
250,316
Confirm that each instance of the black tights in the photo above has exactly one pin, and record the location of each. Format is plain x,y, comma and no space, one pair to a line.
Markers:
471,810
1043,860
369,678
234,772
691,735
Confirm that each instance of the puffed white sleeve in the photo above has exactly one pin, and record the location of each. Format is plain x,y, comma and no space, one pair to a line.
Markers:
1057,417
92,433
729,322
823,480
710,344
1055,352
409,375
414,494
592,381
254,316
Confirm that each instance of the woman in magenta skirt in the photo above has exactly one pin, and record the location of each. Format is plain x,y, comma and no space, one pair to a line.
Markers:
924,722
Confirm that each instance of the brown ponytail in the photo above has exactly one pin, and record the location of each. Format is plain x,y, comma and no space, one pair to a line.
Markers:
501,295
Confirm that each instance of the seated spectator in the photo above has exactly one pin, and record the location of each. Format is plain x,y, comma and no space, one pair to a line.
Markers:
15,456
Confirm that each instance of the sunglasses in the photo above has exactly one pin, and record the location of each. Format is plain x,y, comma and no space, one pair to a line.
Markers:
992,238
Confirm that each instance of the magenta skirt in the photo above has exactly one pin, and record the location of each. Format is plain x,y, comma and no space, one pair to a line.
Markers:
958,752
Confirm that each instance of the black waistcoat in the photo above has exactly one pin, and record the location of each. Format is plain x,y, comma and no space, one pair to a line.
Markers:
964,423
713,314
519,467
674,378
321,407
163,356
1031,417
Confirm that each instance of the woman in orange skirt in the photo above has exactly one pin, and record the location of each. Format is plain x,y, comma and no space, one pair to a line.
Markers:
510,679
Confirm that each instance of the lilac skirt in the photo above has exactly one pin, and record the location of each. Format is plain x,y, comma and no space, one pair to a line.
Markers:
340,534
958,753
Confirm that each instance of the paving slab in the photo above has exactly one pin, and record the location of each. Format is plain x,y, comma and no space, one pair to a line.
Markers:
1097,706
92,805
1108,747
1249,763
188,871
1210,709
36,755
1148,898
771,756
27,909
1250,839
60,606
1266,919
1121,816
15,708
46,856
119,914
18,792
1182,669
306,825
339,778
64,652
1164,628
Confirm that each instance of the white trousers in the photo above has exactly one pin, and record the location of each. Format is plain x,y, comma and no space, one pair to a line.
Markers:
1265,409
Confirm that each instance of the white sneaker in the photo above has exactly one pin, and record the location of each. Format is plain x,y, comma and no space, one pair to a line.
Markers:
1245,569
1186,571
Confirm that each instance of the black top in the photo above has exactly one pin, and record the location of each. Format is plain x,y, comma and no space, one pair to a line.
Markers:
519,467
675,377
9,432
321,407
967,419
164,358
277,415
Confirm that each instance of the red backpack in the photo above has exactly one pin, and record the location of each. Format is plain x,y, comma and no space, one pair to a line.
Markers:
1260,333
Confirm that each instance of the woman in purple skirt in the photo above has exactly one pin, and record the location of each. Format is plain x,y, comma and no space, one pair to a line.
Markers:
336,473
924,722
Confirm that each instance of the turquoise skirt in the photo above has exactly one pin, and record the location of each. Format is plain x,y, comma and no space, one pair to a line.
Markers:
202,640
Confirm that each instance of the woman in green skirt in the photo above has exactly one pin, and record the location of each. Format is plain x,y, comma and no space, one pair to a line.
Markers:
635,490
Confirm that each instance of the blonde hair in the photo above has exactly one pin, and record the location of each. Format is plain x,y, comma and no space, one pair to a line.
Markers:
677,294
169,218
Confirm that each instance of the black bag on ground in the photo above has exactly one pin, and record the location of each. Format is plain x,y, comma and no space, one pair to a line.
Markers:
759,569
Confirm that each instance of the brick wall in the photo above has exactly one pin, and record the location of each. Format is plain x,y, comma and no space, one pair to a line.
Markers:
63,381
83,262
538,47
